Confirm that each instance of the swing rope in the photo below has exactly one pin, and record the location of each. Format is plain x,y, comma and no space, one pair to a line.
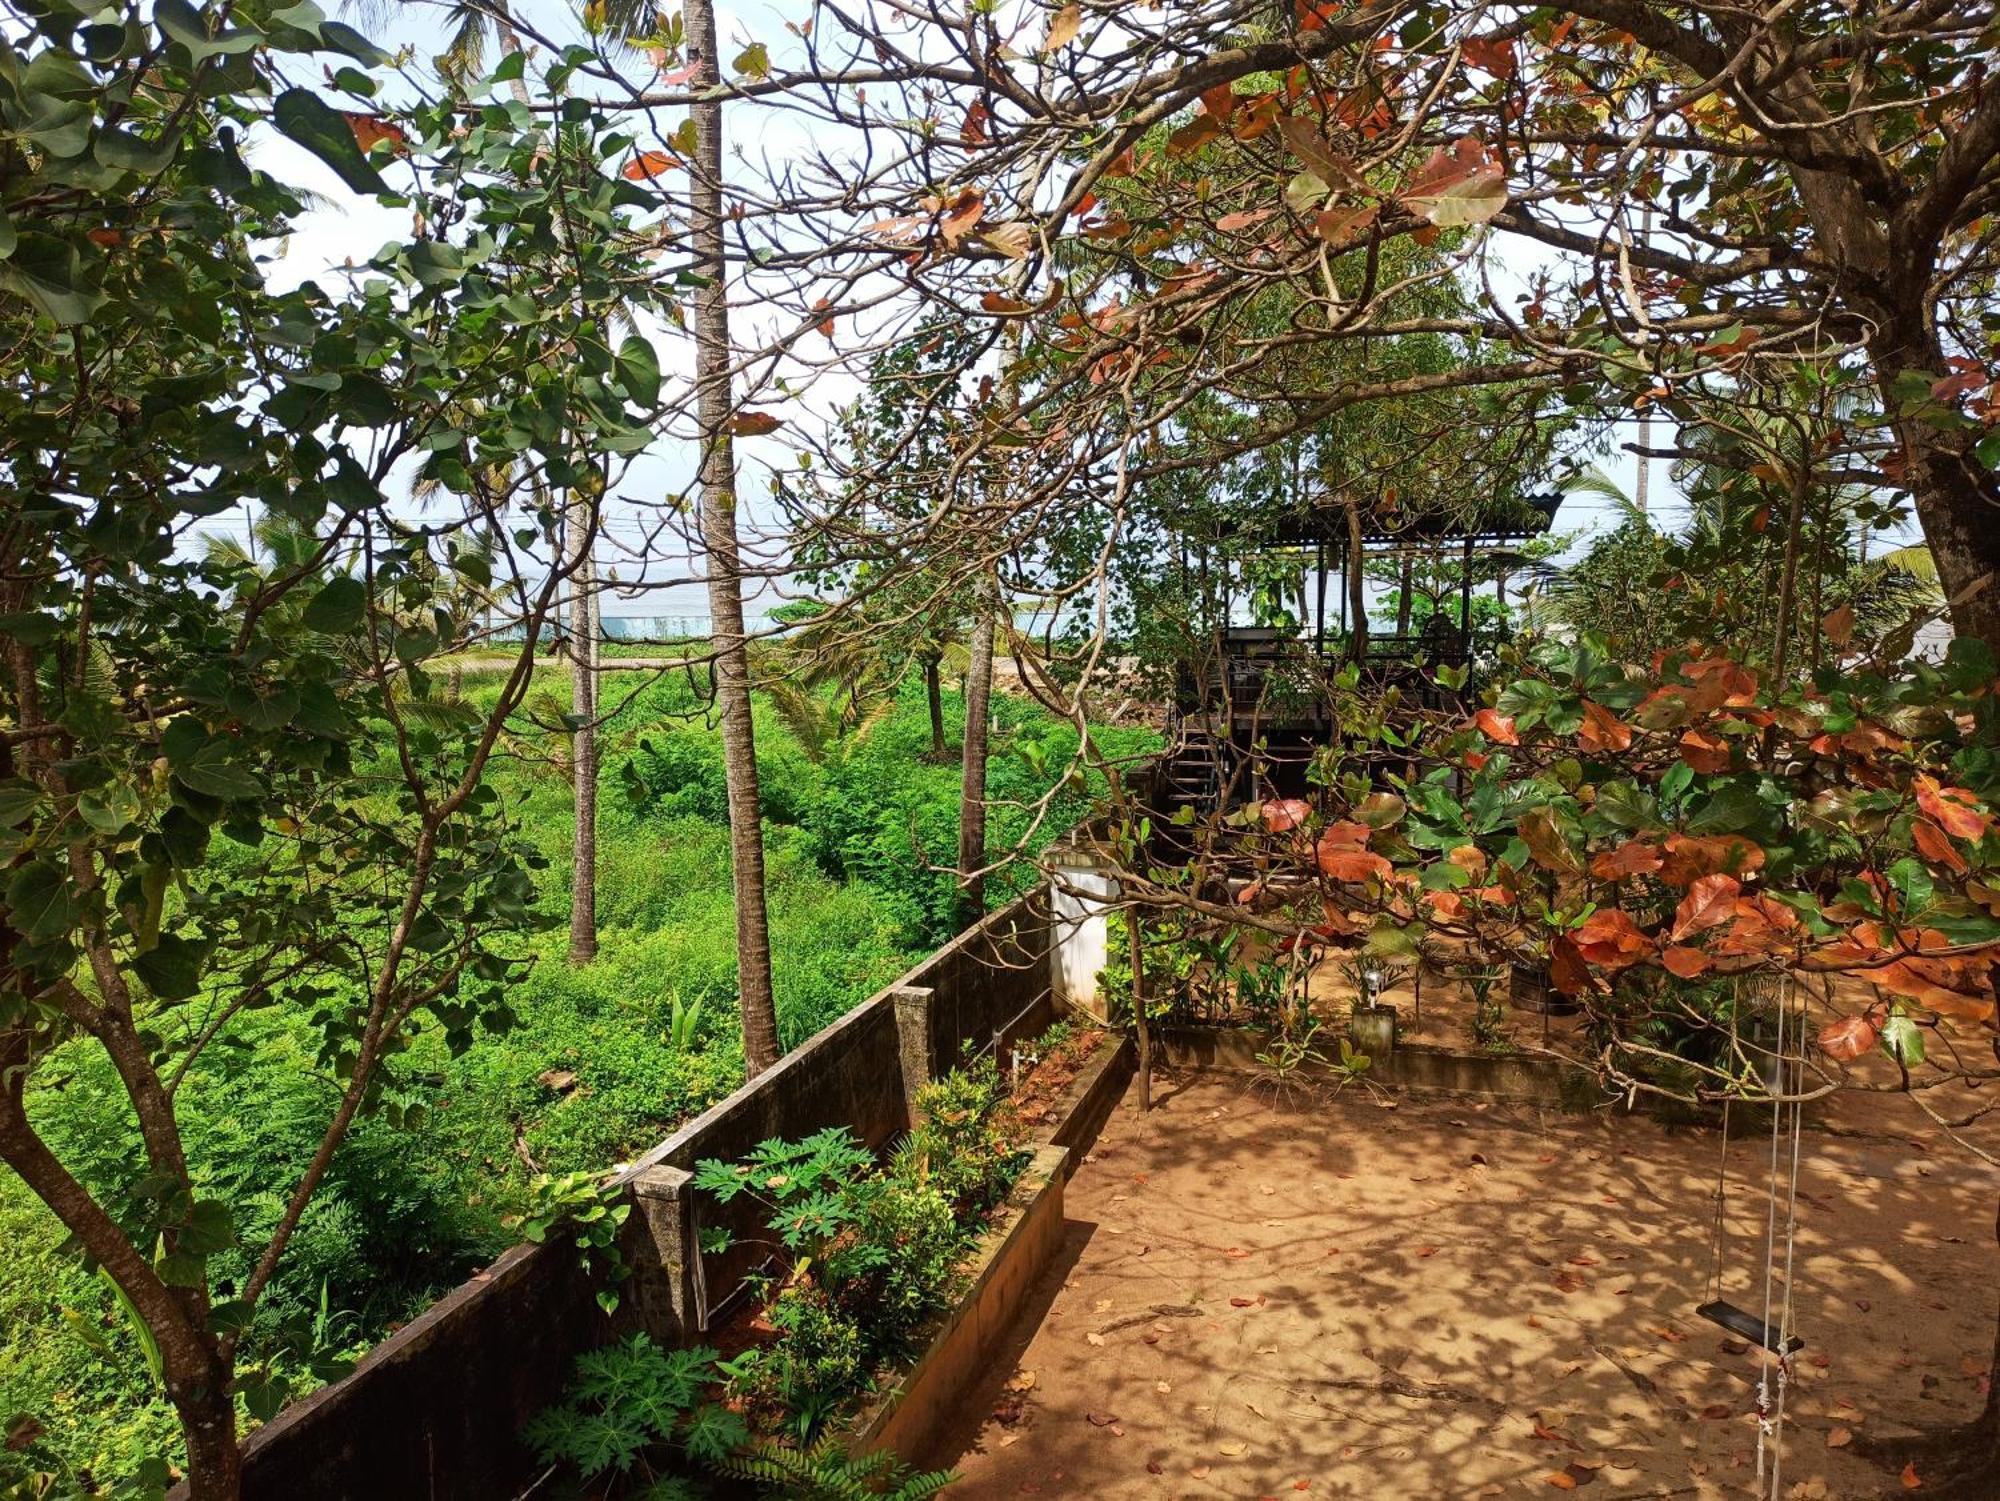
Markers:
1774,1375
1777,1366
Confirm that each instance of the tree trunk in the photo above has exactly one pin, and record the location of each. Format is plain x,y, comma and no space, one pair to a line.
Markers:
1403,597
1357,596
1957,498
972,759
1139,1024
713,400
934,697
583,739
215,1457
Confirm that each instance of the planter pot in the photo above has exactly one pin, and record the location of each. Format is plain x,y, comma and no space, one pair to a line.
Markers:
1372,1030
1530,990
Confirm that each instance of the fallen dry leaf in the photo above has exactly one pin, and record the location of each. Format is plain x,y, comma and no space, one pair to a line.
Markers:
1154,1467
1023,1381
1231,1447
1911,1480
1101,1419
1839,1438
1094,1337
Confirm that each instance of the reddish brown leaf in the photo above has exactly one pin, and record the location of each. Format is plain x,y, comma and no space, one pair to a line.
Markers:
1839,625
753,424
1496,726
1710,902
1610,939
1243,219
1911,1479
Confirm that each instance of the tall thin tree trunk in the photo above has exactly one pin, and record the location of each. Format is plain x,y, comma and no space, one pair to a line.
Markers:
1357,597
729,641
1140,1026
1407,585
583,738
934,697
972,757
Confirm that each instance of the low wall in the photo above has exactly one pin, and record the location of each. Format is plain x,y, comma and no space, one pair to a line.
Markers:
432,1413
1542,1081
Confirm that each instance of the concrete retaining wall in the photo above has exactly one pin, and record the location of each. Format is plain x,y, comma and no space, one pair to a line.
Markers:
1543,1081
431,1414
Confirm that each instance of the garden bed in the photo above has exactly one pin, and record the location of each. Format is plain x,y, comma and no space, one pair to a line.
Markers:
1065,1098
911,1416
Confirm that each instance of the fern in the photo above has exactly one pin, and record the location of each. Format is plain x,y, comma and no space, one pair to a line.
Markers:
825,1471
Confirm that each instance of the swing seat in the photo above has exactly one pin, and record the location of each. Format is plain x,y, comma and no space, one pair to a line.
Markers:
1741,1322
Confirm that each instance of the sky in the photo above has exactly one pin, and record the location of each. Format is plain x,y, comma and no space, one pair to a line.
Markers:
349,229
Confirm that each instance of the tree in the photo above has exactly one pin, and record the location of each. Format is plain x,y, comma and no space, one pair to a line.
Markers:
713,403
1655,833
1730,186
230,783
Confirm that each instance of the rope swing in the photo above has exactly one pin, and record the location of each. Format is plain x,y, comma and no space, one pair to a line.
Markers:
1777,1341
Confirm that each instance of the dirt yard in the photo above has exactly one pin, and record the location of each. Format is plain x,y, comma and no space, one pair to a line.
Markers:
1442,1299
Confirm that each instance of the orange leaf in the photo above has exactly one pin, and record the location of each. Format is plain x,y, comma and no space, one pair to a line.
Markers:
1954,809
1635,857
1930,840
754,424
1603,730
1706,753
1496,726
1911,1480
1285,813
649,164
1710,902
1839,625
369,131
1685,962
1243,219
1339,863
1848,1038
1693,855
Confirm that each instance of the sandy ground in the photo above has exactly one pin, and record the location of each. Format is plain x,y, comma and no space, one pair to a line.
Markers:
1452,1299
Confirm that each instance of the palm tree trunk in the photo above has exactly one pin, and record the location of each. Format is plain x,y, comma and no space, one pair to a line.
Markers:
713,400
583,738
972,758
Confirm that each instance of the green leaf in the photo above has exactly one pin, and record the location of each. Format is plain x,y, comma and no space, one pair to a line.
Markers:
212,770
184,24
338,606
1729,809
38,896
511,67
18,800
46,271
1903,1039
344,38
309,120
172,967
126,152
639,371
